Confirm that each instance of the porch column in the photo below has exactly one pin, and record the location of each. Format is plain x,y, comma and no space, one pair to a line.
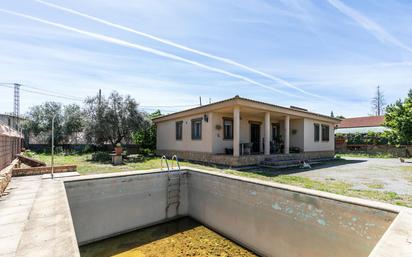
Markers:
236,130
287,125
267,133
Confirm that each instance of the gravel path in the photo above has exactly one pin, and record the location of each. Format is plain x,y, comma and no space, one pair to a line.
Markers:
366,173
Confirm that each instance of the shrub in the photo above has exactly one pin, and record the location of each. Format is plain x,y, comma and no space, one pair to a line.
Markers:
101,157
28,153
146,151
88,149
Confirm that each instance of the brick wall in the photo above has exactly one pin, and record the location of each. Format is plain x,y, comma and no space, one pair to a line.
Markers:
9,147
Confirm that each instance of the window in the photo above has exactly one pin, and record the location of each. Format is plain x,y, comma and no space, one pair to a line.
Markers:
325,133
316,130
179,130
197,129
227,128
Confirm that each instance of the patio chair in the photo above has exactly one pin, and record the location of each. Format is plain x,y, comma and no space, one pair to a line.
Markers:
247,148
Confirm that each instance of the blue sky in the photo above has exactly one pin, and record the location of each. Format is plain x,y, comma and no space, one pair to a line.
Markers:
321,55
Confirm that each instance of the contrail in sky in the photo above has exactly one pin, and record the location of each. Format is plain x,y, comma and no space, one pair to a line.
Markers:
145,49
368,24
170,43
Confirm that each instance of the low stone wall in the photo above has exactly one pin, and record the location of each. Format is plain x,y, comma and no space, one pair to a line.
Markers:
243,160
5,176
42,170
401,151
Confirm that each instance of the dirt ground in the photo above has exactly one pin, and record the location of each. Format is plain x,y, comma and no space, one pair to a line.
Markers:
366,173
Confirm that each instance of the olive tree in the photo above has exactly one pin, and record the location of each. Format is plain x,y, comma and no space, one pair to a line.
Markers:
112,119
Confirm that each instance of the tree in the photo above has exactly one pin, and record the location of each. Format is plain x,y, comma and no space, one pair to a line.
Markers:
113,119
146,138
73,123
378,102
67,122
398,118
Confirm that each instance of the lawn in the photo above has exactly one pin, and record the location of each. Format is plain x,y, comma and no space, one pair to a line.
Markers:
86,166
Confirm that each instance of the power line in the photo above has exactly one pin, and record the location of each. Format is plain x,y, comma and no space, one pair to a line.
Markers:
42,93
167,106
47,92
53,92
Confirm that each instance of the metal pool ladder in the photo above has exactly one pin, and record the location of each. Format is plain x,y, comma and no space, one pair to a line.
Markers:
173,187
161,163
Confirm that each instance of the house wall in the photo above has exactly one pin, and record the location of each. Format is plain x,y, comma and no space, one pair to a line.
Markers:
219,144
297,138
166,135
309,140
212,139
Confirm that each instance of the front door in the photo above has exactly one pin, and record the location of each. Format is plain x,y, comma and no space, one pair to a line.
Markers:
255,137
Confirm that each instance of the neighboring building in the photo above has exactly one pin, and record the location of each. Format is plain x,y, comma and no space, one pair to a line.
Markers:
11,120
236,132
361,125
10,145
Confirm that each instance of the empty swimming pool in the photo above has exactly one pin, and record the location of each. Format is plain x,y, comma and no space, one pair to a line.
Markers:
269,219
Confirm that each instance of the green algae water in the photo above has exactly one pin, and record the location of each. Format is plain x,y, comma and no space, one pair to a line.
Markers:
182,237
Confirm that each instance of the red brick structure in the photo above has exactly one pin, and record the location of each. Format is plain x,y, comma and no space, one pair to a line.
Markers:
10,145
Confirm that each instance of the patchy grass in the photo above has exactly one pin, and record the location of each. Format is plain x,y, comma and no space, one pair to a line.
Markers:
86,166
336,187
365,155
406,168
375,185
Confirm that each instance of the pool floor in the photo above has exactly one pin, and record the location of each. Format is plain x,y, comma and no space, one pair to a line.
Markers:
181,237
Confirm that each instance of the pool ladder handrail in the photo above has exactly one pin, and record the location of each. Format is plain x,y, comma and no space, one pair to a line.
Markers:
173,186
174,157
161,163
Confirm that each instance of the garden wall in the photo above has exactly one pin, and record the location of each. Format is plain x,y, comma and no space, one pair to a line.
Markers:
401,151
10,145
130,148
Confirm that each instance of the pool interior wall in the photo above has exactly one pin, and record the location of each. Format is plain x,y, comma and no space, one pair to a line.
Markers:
269,220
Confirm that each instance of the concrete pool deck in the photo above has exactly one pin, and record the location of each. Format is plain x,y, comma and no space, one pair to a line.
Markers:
38,221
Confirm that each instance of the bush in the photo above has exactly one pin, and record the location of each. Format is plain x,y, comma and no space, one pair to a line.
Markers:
146,151
88,149
101,157
371,138
28,153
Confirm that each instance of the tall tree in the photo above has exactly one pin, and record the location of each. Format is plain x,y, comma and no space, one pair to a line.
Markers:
378,102
73,123
113,119
67,122
398,118
146,138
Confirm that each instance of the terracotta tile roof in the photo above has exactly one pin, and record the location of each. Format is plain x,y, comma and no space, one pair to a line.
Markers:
369,121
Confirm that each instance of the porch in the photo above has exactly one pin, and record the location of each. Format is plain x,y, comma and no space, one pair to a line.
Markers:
243,160
243,131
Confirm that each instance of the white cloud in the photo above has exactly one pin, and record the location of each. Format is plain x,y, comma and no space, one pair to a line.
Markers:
372,27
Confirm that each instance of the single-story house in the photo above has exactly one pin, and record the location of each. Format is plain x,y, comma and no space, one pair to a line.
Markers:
361,125
240,131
